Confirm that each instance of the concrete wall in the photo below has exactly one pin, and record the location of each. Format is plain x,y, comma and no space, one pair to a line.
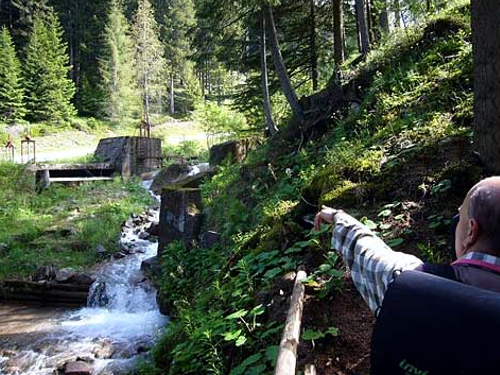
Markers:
180,216
131,156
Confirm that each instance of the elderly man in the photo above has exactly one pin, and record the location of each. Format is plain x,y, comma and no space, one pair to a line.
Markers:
374,265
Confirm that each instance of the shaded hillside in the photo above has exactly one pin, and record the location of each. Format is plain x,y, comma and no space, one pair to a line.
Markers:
393,148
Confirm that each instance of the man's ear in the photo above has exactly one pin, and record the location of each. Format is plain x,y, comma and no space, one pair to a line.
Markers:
472,233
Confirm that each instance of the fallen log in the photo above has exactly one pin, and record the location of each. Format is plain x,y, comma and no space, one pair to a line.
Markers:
287,355
45,292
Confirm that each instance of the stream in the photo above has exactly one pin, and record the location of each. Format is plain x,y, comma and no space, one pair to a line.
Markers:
119,325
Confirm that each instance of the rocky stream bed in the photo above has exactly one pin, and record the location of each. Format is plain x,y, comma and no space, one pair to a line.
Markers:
117,327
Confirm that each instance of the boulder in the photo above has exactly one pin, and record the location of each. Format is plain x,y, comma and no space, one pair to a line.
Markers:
77,368
169,175
151,267
152,229
44,273
208,239
81,279
105,350
63,275
230,151
101,250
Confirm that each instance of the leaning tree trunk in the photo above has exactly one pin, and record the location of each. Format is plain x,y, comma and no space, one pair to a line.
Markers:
364,44
279,65
271,126
312,47
486,57
338,34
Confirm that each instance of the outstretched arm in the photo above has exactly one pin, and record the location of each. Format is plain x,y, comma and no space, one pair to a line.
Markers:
373,264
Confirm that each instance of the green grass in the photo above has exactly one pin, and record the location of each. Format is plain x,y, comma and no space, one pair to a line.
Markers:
61,225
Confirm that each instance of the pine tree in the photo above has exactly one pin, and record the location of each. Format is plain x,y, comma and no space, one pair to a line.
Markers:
148,55
178,19
48,88
117,67
11,92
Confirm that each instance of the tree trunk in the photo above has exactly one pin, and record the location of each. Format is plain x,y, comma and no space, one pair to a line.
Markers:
384,18
312,46
279,65
397,14
486,57
364,45
271,126
172,97
338,34
146,105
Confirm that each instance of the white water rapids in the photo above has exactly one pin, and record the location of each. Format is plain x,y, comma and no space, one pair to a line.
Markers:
110,338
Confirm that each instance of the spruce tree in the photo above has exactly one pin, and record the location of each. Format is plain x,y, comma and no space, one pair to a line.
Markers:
11,92
117,67
178,20
148,55
48,88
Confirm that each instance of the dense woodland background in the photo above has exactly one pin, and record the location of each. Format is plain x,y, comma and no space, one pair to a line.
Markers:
118,59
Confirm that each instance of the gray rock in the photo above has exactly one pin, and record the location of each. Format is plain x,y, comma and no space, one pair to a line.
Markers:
64,274
81,279
100,250
208,239
77,368
105,350
44,273
144,235
151,267
152,228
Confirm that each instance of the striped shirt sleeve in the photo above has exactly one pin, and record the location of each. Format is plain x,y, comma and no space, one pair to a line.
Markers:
373,264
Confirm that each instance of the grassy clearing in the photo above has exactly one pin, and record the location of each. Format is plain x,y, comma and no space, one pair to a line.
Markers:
61,225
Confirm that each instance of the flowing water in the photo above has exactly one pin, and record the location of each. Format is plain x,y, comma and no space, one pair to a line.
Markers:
120,323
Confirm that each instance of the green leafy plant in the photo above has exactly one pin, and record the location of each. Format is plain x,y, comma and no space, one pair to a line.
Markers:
310,334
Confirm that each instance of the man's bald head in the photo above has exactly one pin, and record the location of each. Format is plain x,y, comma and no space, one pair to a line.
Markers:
484,207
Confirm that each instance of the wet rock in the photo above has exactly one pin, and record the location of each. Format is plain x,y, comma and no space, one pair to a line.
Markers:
105,350
126,248
152,228
164,305
144,235
98,296
77,368
63,275
119,255
100,250
13,366
151,267
128,224
81,279
44,273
